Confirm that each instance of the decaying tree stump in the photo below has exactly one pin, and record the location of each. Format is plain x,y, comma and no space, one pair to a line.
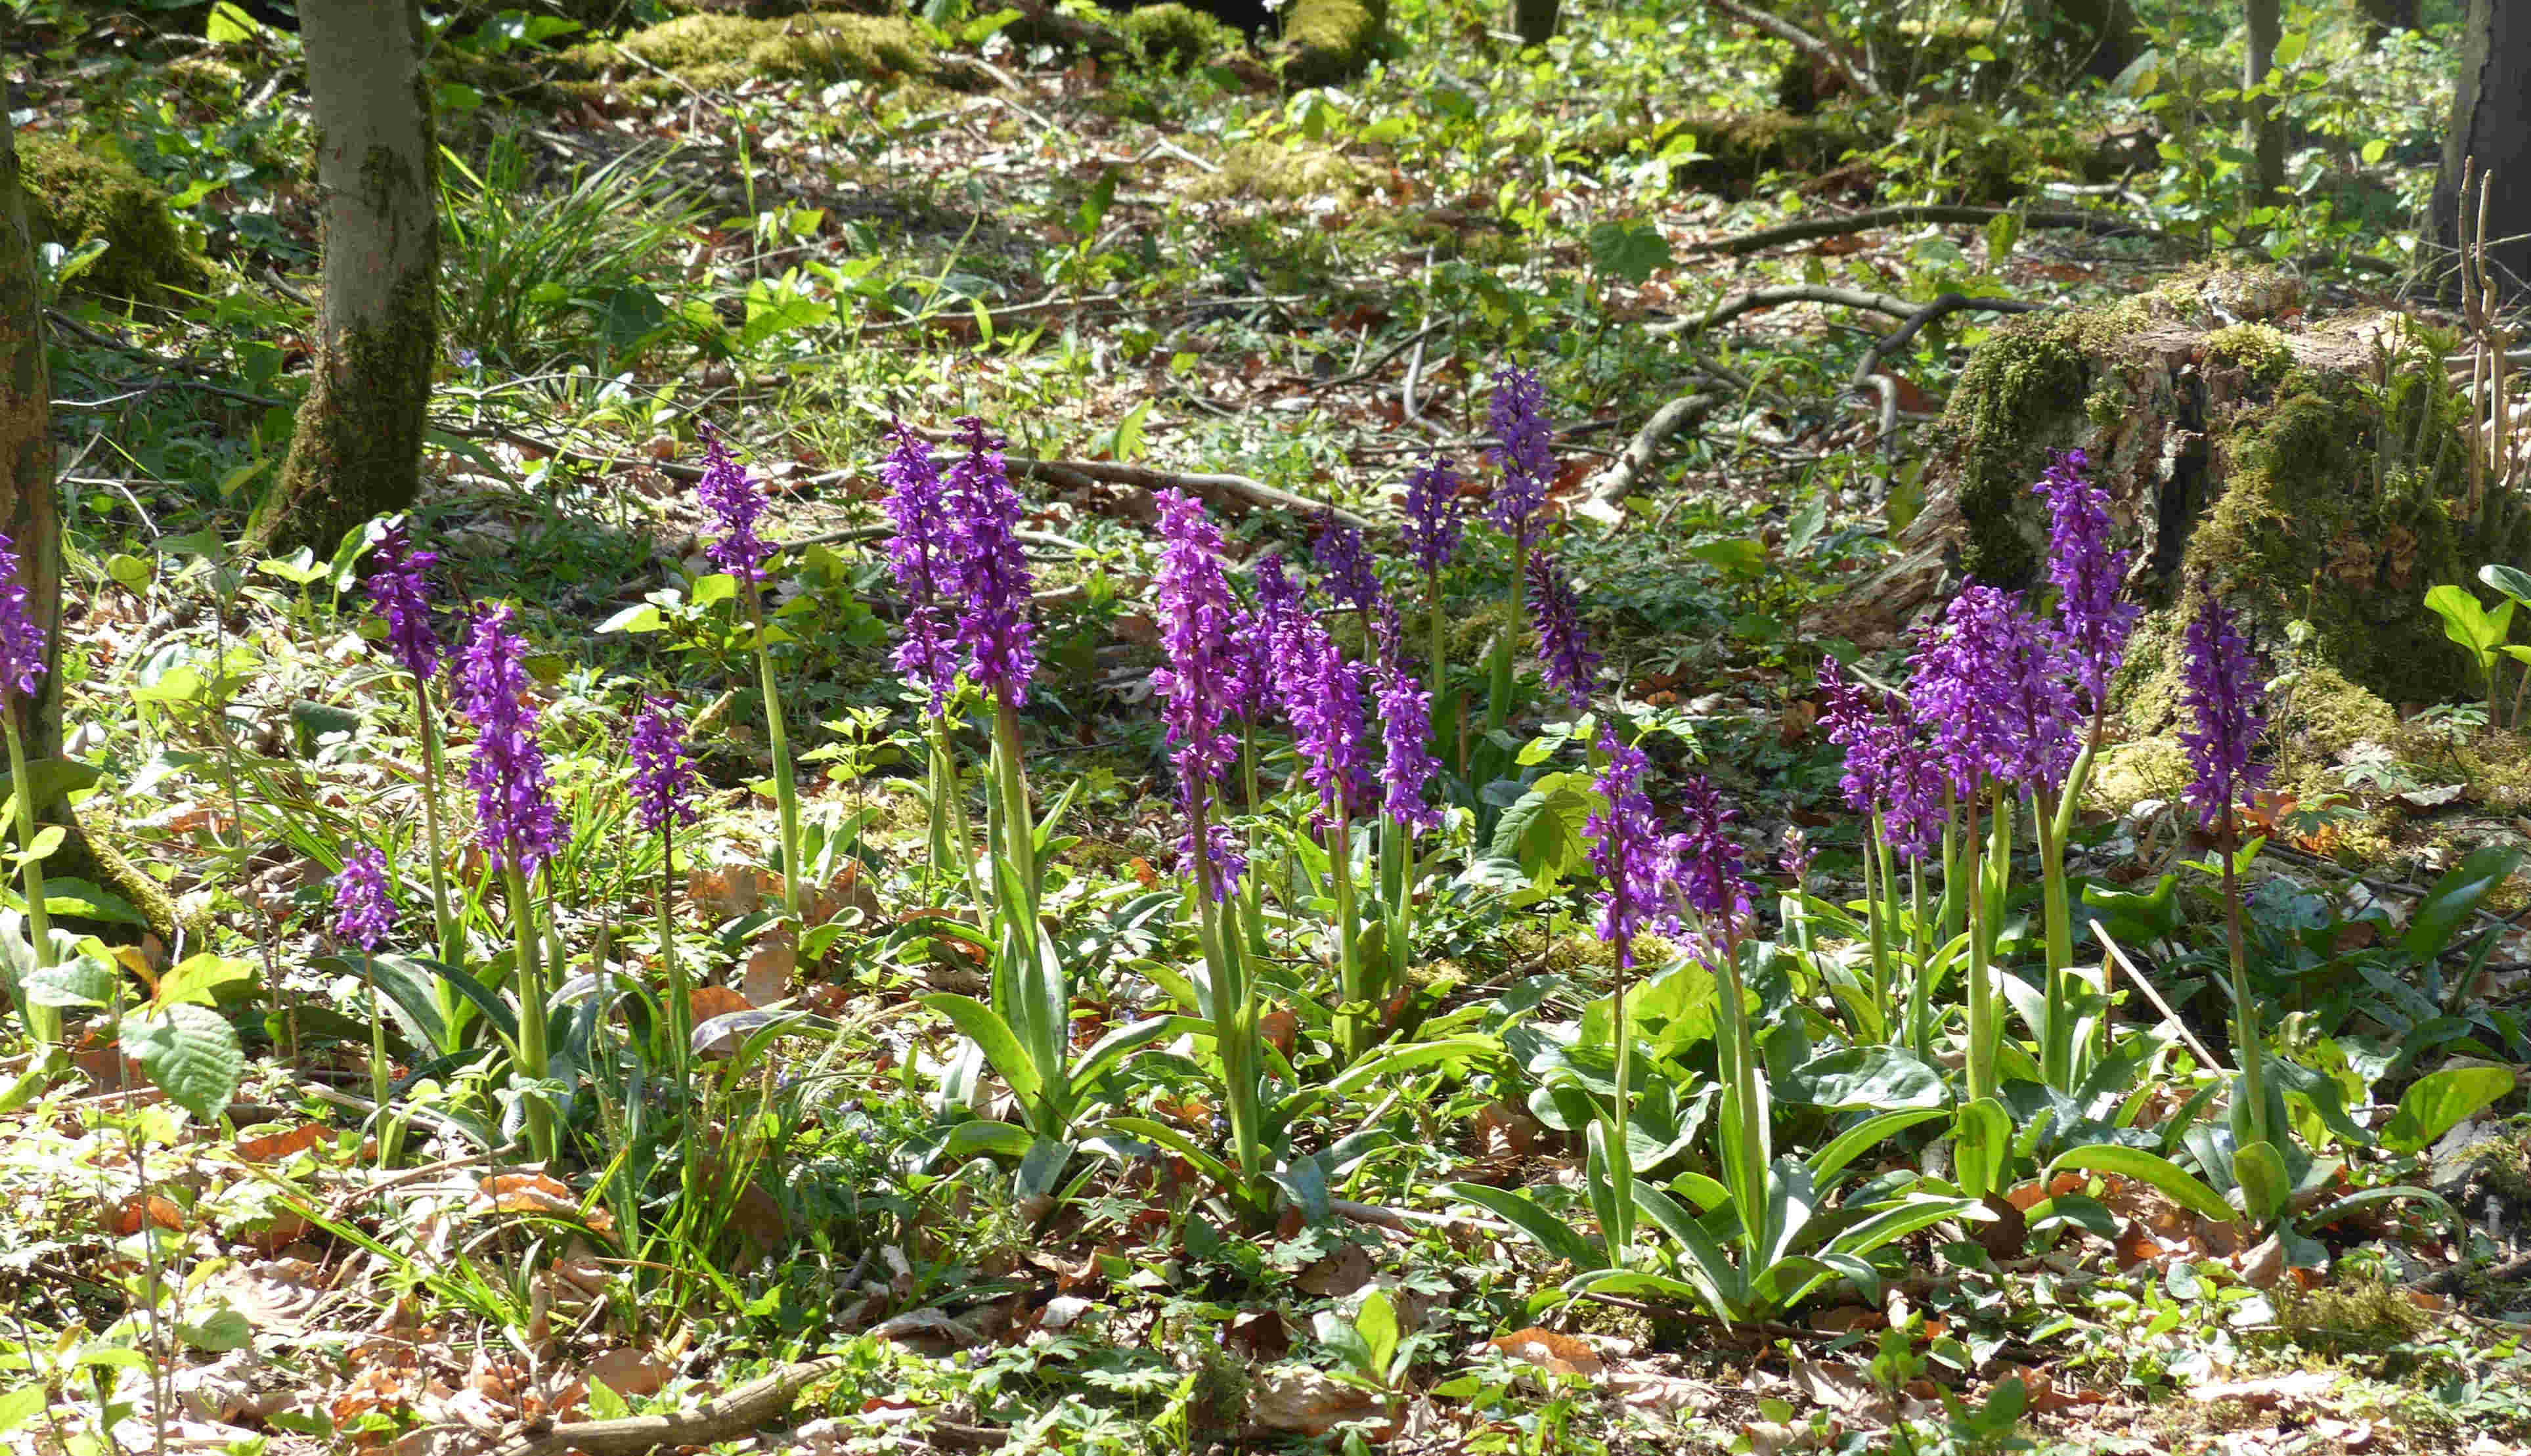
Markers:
2316,470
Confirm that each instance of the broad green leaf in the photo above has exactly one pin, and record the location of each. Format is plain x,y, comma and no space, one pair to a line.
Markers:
2439,1101
1632,250
2513,581
199,977
1982,1147
2160,1172
2460,891
1878,1079
21,1406
1549,1232
2264,1187
1851,1143
1001,1047
1377,1326
191,1052
1543,831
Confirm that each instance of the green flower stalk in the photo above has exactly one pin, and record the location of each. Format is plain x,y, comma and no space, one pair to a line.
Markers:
515,825
663,788
735,502
2222,696
24,658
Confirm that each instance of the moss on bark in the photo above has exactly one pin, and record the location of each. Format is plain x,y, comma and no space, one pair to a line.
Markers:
77,197
1330,40
708,51
353,452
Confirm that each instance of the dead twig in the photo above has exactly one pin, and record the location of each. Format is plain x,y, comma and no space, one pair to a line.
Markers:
1916,323
1230,492
1801,40
727,1417
1604,494
1809,228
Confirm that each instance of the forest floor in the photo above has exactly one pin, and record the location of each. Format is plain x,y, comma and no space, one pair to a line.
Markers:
1141,270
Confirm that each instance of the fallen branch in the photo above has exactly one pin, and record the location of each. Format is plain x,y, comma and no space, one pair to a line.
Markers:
1756,299
1809,228
727,1417
1948,303
2204,1057
1404,1220
1801,40
1230,492
1605,492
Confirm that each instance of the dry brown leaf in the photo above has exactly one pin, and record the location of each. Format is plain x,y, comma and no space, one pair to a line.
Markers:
1281,1028
1299,1400
535,1193
125,1218
628,1373
2268,1390
1845,1389
1551,1351
275,1146
277,1294
1337,1274
769,969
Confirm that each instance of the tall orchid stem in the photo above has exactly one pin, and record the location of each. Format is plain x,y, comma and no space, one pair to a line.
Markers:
1438,671
44,1023
1252,885
786,791
1234,1022
2070,804
1355,1018
1920,989
2057,1037
1981,994
532,1037
2250,1052
681,991
443,908
1953,904
1747,1112
1010,778
1500,677
1621,1101
949,810
1878,898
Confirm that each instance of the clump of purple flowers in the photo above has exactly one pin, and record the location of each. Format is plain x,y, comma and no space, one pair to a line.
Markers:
1707,858
399,586
663,778
1433,524
1628,851
1992,686
1328,722
1199,686
918,558
1341,553
1564,655
1523,448
993,573
2092,623
737,504
513,810
2222,694
1407,764
22,641
363,911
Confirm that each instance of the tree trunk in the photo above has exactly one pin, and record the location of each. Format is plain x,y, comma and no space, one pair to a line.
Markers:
356,450
26,509
2491,124
2381,16
1534,20
32,520
2097,38
2266,120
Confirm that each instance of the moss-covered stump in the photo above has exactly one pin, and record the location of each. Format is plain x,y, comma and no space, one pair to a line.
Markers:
78,197
2312,470
1174,36
1852,144
712,52
1327,40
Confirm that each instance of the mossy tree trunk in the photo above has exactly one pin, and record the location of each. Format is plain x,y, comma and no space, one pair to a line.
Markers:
2491,126
2381,16
30,516
2266,121
1534,20
356,450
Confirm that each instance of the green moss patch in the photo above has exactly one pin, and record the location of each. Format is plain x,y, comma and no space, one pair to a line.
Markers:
77,196
714,51
1331,39
1174,35
1270,172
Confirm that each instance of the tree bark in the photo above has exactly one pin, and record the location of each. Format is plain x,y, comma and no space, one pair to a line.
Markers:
32,517
1534,20
2266,120
2381,16
27,508
2097,38
356,450
2491,123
